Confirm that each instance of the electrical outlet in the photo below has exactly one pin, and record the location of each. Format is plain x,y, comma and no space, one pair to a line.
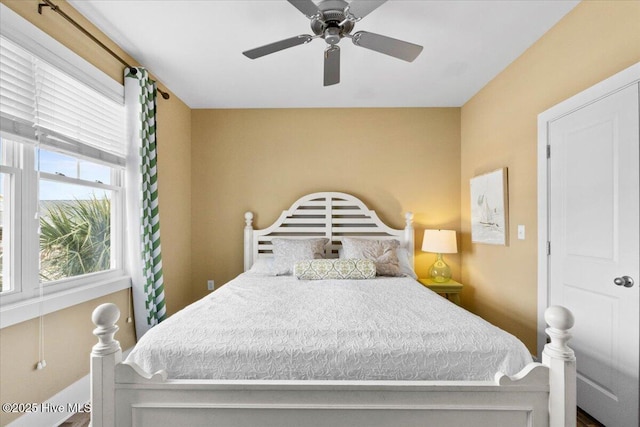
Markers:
210,285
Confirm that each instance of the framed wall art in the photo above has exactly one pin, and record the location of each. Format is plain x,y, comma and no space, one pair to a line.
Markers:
490,208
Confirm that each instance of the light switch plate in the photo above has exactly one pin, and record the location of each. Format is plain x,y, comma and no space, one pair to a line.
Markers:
521,232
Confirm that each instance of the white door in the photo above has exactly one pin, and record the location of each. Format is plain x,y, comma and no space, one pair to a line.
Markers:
593,194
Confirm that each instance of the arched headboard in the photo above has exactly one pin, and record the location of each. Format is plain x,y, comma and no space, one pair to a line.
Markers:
328,214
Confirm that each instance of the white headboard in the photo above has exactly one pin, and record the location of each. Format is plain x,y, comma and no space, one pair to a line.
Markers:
328,214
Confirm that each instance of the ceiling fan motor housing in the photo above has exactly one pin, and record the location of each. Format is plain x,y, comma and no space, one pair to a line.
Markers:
328,25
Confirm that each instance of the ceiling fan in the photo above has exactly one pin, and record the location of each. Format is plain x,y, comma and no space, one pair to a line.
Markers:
332,20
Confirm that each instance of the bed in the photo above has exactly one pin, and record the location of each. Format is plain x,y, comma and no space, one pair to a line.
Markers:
311,334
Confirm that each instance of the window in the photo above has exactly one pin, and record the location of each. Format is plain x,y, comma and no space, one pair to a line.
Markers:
61,179
75,199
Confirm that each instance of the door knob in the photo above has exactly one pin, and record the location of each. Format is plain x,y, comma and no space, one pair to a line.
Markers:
625,281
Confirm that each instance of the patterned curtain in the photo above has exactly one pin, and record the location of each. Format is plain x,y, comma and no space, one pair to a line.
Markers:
143,254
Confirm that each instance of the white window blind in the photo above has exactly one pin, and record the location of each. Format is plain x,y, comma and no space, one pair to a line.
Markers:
67,114
17,89
70,112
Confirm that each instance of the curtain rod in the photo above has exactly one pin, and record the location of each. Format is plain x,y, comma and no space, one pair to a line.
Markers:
55,8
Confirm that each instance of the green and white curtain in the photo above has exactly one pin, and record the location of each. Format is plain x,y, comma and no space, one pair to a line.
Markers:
144,257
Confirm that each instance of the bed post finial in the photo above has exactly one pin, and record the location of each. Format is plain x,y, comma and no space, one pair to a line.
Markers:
561,361
408,218
105,317
409,236
104,357
248,240
560,320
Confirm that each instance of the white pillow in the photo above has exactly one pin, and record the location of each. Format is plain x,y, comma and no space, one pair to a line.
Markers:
262,266
286,252
382,252
406,269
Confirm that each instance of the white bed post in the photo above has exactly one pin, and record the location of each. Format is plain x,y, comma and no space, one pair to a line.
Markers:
408,228
248,241
104,357
409,236
562,367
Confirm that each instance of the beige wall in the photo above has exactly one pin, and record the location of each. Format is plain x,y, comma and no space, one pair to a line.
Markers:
395,160
594,41
68,338
174,195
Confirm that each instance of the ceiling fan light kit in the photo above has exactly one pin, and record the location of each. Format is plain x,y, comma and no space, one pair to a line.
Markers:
333,20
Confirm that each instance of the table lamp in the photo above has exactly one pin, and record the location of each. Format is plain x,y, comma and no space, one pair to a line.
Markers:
440,242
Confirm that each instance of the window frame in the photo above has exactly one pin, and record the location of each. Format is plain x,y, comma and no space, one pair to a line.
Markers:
25,277
11,208
117,233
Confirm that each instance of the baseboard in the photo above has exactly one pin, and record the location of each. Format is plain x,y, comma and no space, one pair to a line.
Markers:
60,407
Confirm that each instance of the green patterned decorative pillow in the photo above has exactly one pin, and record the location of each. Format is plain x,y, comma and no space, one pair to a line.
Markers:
318,269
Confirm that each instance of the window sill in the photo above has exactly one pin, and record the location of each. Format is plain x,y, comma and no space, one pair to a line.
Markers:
11,314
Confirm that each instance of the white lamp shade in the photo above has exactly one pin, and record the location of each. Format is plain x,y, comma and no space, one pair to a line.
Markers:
440,241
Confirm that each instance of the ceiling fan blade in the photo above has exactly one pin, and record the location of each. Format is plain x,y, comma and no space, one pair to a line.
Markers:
331,65
277,46
307,7
361,8
387,45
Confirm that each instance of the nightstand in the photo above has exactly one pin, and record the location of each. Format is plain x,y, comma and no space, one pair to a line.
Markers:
451,289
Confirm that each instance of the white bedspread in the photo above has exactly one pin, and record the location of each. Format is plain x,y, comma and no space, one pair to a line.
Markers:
258,327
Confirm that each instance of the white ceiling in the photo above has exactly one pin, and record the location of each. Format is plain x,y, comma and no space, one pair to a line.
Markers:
194,47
